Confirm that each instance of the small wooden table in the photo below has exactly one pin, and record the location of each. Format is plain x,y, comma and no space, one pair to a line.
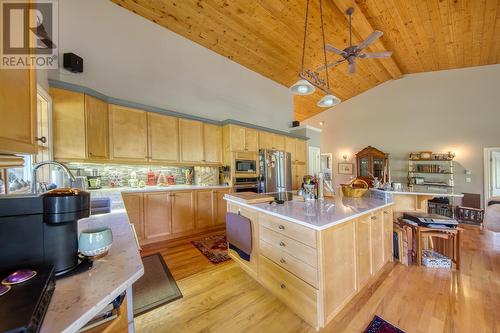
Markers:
450,244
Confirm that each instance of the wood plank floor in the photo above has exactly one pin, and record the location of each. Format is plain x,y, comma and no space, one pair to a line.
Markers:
222,298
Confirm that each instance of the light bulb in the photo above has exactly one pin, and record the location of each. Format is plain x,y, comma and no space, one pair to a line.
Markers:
302,89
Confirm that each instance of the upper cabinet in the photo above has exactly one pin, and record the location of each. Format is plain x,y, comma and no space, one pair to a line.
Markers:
96,123
191,137
18,111
212,141
242,138
163,134
128,132
273,141
68,124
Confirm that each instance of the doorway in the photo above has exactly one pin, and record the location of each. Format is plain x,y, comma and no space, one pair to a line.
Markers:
491,173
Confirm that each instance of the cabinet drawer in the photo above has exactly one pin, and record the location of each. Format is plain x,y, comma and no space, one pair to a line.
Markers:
298,295
290,263
289,229
294,248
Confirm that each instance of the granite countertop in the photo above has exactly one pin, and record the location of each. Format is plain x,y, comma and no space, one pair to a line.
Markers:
407,191
179,187
77,299
317,214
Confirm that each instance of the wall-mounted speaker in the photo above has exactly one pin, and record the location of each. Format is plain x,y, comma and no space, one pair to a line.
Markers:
73,63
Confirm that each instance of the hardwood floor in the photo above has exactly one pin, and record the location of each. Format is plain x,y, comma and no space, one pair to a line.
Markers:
222,298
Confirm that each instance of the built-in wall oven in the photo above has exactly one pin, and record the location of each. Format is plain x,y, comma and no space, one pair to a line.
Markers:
245,184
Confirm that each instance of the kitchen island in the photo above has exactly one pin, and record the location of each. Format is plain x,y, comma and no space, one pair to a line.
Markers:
77,299
315,256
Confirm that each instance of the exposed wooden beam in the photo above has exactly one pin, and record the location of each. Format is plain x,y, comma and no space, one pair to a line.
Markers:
363,27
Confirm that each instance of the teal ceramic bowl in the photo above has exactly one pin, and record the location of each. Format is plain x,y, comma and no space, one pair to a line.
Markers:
95,242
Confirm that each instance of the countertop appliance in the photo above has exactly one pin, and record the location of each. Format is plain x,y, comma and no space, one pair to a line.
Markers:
23,307
275,171
42,229
430,219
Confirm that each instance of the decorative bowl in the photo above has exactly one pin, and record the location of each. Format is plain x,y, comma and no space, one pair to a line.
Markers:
95,242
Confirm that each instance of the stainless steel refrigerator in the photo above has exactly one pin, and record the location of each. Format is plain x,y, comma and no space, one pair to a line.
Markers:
275,171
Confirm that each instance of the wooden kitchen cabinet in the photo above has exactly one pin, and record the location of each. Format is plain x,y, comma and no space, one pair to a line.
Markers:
183,211
163,134
377,236
68,124
204,209
128,132
212,143
364,249
18,111
300,151
157,215
298,172
220,206
273,141
251,140
96,125
191,140
135,210
242,139
290,147
388,229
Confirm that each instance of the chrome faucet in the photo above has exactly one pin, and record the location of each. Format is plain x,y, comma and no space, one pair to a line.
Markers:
38,165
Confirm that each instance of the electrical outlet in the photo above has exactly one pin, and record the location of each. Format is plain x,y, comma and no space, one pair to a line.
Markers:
468,179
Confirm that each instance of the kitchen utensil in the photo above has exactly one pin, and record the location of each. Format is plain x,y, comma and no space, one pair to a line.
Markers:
355,188
95,242
19,276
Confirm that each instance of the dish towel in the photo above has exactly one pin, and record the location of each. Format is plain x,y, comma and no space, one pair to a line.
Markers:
239,234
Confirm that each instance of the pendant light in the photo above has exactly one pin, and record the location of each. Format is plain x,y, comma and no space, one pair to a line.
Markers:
310,80
328,101
302,87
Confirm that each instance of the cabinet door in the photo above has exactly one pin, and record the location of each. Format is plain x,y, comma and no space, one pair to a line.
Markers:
220,207
68,124
182,211
388,242
266,140
300,151
278,142
212,142
364,250
300,171
377,237
96,121
129,133
157,222
191,136
135,210
237,138
251,140
18,111
290,147
204,209
163,134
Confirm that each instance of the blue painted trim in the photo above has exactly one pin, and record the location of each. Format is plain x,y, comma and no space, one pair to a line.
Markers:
130,104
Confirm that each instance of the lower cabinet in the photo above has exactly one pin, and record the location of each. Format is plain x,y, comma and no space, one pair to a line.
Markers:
166,215
377,236
363,249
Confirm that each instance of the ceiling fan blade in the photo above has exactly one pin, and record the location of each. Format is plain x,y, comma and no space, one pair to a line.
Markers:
373,37
351,68
330,65
385,54
333,49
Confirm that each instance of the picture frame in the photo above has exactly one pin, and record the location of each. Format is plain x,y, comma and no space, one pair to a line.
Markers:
346,168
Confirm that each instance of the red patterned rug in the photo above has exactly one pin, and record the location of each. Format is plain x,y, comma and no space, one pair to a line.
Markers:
214,248
378,325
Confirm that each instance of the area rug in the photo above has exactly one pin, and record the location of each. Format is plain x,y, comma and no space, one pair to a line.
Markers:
378,325
156,287
214,248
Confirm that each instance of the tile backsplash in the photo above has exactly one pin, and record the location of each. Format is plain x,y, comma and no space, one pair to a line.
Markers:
119,175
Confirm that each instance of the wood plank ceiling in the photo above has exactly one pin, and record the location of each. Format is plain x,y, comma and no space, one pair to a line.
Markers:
266,36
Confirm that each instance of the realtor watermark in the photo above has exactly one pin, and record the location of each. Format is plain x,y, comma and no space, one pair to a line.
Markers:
29,34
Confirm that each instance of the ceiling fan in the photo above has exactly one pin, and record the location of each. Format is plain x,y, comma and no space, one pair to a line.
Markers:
355,51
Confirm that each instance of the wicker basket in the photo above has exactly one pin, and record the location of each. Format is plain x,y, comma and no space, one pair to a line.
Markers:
355,192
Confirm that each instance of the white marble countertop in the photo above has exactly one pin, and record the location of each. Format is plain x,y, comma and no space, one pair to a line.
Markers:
408,192
316,214
77,299
179,187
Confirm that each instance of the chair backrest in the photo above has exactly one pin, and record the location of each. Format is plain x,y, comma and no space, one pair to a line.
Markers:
472,200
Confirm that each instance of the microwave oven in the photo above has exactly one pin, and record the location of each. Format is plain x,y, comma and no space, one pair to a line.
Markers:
245,166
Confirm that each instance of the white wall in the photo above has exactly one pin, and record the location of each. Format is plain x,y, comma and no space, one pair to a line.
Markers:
453,110
128,57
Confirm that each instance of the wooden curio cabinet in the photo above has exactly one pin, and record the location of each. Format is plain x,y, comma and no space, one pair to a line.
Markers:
371,162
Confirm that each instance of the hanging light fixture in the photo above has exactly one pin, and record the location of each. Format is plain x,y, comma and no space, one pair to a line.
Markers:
302,87
310,80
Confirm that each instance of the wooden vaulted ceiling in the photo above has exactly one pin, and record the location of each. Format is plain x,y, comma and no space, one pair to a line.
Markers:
266,36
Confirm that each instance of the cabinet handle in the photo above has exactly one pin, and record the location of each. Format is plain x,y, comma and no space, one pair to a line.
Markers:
282,244
282,227
373,217
283,261
42,139
283,286
172,195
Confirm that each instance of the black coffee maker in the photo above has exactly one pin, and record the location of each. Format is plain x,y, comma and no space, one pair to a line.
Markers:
42,229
